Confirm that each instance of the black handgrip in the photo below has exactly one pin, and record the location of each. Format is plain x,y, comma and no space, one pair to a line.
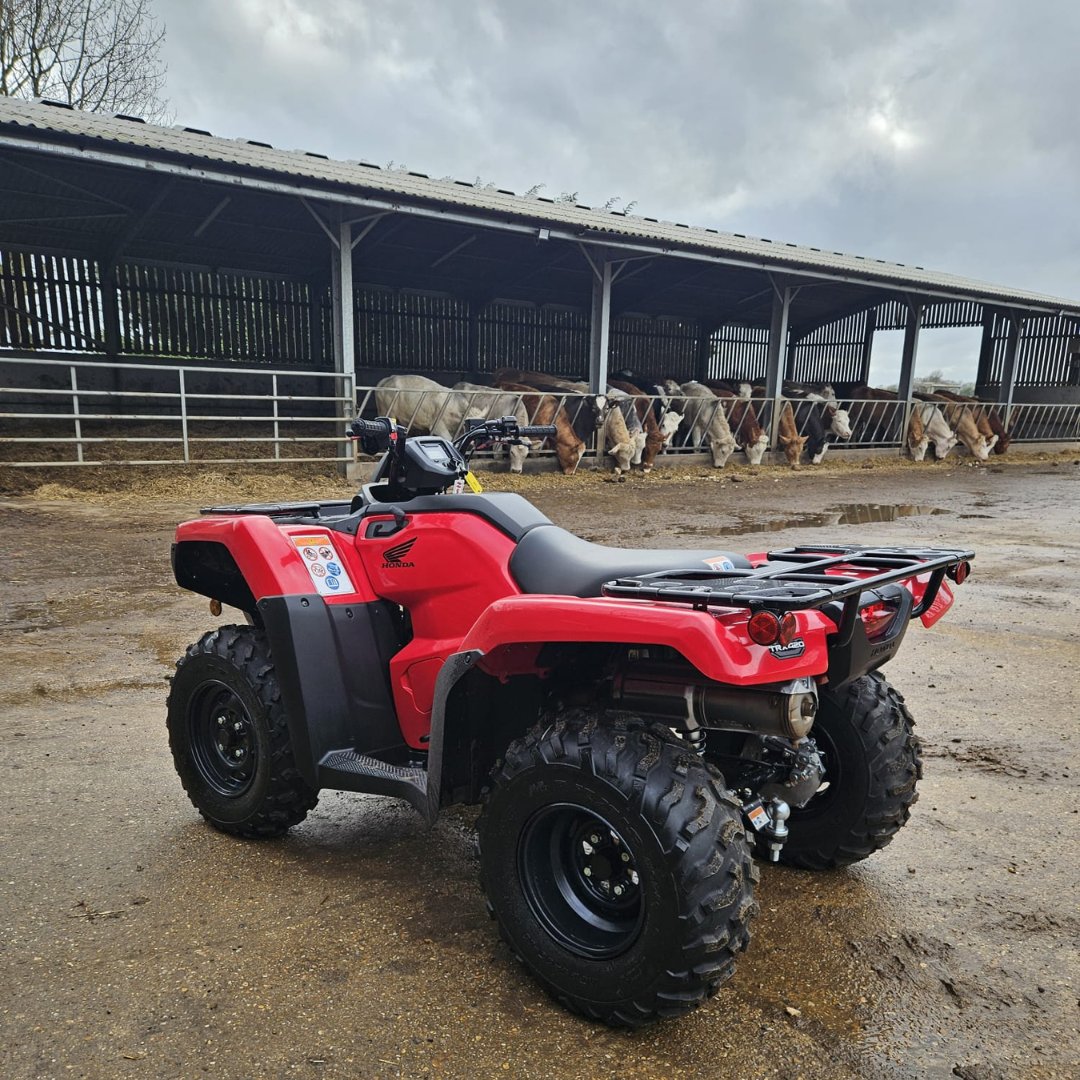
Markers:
538,431
380,426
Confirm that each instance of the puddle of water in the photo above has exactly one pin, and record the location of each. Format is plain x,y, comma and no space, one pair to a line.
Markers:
841,514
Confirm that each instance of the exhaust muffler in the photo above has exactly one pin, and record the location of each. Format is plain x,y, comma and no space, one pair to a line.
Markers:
784,709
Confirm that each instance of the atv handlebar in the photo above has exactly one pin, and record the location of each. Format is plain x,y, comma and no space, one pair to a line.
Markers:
359,428
499,429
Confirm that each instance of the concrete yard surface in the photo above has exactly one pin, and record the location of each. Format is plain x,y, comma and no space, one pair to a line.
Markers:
135,941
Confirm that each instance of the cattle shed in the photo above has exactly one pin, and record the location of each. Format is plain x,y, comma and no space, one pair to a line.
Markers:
134,255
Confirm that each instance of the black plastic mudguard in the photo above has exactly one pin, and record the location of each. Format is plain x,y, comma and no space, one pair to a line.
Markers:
331,662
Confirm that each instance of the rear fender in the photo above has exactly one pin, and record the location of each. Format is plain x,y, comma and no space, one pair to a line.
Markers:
504,643
715,642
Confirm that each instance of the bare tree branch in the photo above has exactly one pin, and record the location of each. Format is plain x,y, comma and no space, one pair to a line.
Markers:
102,55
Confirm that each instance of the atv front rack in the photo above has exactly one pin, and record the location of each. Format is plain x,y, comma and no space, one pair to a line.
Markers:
803,578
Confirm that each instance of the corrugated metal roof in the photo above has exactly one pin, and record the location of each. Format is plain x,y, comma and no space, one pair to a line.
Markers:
60,125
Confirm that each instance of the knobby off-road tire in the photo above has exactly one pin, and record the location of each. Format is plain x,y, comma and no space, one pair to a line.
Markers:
647,808
230,739
872,764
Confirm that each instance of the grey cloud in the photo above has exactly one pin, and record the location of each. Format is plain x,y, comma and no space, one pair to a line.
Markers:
933,133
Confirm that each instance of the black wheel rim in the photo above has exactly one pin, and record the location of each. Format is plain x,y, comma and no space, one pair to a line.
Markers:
581,881
222,737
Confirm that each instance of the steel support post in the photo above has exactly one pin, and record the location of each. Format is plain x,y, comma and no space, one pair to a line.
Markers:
1008,369
778,335
110,311
907,361
789,360
344,333
703,361
986,351
868,345
911,350
600,328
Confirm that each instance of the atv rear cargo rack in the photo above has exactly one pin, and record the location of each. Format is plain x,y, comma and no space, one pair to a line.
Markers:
805,578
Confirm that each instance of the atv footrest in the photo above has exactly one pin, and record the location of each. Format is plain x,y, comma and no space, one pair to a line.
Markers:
349,761
346,770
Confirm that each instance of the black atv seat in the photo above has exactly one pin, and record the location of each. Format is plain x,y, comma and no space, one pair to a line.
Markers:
551,560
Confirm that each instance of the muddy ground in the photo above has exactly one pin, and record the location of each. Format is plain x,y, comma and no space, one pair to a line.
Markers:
137,942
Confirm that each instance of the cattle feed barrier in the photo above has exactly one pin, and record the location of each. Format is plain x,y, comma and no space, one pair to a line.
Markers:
260,416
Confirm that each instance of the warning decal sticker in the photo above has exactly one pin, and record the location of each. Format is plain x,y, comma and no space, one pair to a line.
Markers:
719,562
325,569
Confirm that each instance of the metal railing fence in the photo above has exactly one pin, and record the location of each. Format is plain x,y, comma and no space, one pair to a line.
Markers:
198,414
197,424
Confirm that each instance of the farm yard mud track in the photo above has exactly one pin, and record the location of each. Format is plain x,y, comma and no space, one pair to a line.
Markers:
139,942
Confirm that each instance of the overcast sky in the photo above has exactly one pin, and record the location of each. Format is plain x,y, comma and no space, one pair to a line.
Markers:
940,133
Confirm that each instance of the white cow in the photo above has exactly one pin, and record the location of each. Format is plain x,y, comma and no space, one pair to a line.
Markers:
935,429
704,413
495,403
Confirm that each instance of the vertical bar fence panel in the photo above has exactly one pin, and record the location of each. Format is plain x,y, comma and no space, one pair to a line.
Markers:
189,414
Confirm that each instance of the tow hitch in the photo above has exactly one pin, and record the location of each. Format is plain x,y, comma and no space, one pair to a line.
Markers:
769,819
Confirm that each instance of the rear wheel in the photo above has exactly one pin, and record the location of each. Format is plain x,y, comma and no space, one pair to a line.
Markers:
617,867
230,739
872,764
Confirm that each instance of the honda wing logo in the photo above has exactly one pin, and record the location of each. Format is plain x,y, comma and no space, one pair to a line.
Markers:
394,557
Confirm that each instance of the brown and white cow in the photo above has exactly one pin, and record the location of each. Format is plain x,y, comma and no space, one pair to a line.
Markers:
619,441
657,434
788,436
817,417
587,411
623,430
935,428
917,440
962,420
987,419
545,409
750,436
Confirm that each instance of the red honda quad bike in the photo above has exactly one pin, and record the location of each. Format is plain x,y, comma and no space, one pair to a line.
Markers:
635,724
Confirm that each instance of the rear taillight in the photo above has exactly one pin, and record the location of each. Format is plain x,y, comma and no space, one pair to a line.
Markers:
763,628
876,619
766,628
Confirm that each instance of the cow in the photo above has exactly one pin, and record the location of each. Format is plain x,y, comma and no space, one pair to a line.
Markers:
917,439
587,412
749,435
422,404
875,416
961,419
619,442
703,413
935,428
667,419
789,437
546,409
628,419
987,419
494,403
657,433
819,418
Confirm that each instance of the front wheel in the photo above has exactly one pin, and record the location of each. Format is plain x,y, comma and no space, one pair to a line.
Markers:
617,867
230,738
872,763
